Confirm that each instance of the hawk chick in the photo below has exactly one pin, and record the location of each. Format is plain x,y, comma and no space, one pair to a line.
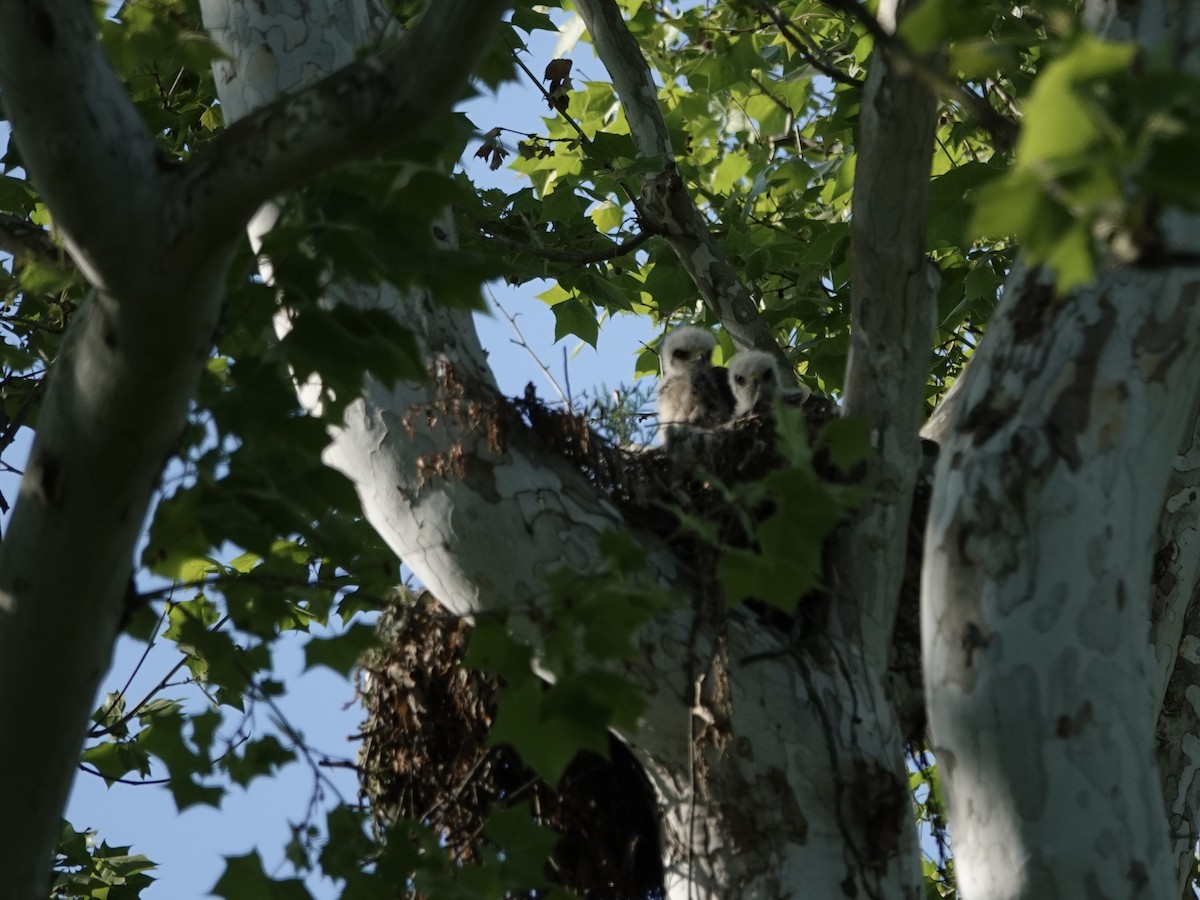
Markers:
693,391
754,380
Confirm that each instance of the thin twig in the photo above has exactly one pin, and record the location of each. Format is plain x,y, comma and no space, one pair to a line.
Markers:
83,767
546,95
132,675
523,344
583,138
153,691
578,258
567,379
293,735
264,579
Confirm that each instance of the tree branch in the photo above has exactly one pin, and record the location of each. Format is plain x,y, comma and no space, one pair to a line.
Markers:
666,203
553,254
86,147
892,310
536,82
357,110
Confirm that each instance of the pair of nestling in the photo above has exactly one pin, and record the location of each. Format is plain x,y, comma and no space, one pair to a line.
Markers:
694,392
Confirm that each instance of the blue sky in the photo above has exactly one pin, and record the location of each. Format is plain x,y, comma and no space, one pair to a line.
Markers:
189,847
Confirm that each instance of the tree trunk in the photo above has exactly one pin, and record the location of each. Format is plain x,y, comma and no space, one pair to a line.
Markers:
1037,578
1036,587
114,407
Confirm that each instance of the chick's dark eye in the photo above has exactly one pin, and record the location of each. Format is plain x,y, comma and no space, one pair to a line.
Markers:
740,379
679,354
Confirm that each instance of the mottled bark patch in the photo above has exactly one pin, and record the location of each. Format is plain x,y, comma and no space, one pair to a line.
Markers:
1069,726
1069,415
1159,342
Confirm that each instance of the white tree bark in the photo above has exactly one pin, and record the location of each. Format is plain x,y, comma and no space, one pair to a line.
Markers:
1043,691
893,291
1036,587
1175,648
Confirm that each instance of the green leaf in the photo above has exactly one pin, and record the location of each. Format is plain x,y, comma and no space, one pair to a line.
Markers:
577,318
563,205
733,169
494,649
950,196
344,343
341,652
176,539
85,869
608,148
15,194
933,22
602,291
848,441
626,555
1072,258
1058,121
780,582
547,743
607,216
526,845
529,20
666,288
187,792
256,758
244,879
115,759
347,848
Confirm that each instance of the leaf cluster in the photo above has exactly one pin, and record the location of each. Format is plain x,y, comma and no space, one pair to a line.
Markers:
87,870
590,622
788,513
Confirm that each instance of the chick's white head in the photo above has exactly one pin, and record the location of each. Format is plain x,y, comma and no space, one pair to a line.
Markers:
753,378
687,349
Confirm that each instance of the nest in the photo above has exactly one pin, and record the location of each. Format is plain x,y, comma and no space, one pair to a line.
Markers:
425,758
647,483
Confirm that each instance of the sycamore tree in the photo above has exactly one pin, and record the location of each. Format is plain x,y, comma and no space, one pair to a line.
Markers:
244,254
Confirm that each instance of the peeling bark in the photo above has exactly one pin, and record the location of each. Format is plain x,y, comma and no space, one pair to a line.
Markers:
1036,586
1038,617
